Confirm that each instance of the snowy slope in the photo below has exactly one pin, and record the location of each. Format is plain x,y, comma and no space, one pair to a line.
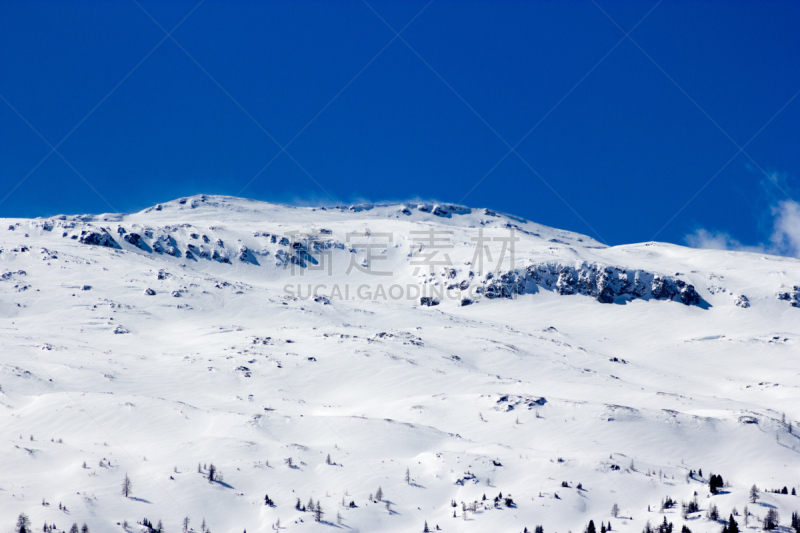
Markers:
184,335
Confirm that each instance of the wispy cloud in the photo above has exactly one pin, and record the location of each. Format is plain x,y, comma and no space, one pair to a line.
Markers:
784,239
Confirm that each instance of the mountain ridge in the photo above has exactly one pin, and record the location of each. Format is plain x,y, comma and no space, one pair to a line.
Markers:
157,359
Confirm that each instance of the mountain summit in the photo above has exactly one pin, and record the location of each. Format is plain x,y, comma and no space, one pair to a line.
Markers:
380,367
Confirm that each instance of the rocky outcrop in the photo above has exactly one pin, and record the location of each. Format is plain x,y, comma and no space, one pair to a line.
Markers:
604,283
97,238
134,239
165,244
793,296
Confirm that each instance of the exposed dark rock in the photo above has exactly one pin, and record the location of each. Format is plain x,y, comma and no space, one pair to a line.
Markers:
149,292
165,244
428,301
217,257
606,283
508,402
97,238
793,296
5,276
246,256
605,295
504,285
742,301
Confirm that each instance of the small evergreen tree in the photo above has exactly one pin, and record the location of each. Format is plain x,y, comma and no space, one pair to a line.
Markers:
23,524
715,483
212,472
733,527
379,494
426,529
796,522
74,529
713,512
615,510
408,476
590,528
771,520
127,486
84,528
538,529
685,529
754,494
186,525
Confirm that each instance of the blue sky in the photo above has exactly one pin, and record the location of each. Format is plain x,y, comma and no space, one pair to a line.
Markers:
628,120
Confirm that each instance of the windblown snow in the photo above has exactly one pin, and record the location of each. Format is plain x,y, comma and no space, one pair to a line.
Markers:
394,365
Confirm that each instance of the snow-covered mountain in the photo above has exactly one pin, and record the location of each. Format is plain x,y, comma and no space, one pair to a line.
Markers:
483,372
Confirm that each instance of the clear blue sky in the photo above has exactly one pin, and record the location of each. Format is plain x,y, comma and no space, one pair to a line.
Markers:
625,130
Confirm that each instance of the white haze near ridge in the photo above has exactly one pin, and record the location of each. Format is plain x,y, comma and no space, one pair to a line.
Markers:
784,239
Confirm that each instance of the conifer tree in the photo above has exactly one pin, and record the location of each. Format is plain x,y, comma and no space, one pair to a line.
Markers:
23,524
713,512
127,486
771,520
754,494
733,527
